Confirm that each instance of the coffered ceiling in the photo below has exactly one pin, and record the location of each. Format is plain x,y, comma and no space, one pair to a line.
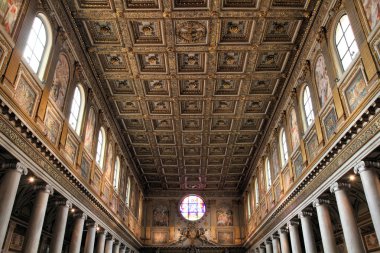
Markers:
192,83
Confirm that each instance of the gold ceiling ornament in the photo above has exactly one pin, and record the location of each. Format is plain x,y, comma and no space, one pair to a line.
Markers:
191,32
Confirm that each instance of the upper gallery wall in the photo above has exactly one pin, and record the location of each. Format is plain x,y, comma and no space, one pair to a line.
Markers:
192,84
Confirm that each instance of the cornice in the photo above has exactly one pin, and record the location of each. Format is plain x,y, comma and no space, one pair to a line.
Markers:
24,139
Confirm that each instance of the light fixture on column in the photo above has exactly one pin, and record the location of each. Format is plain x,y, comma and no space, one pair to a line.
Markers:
31,179
72,210
352,177
97,228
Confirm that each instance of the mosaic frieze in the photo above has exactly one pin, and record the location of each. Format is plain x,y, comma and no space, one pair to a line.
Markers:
191,62
231,62
103,32
146,32
236,31
152,62
156,87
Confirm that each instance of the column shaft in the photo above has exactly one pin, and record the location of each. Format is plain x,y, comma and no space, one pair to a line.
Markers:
76,236
325,227
285,247
371,186
308,234
109,244
268,247
36,221
116,248
276,245
8,188
59,227
90,238
351,232
262,250
101,242
295,238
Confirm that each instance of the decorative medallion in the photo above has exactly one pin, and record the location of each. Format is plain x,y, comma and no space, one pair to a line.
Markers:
191,32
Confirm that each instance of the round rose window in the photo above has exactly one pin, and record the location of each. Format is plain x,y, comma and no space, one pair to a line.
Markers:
192,207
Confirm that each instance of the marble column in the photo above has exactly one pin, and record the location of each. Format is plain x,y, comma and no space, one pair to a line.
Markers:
262,249
76,236
371,186
122,248
307,232
284,240
59,227
325,226
101,242
276,244
351,232
116,247
294,237
268,246
8,188
90,237
109,246
36,221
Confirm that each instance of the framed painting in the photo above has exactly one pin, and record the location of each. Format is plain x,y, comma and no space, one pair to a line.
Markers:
287,180
330,122
71,147
355,90
297,164
224,216
160,216
53,125
5,50
85,167
371,242
312,145
225,237
371,13
277,191
27,93
95,181
160,237
9,14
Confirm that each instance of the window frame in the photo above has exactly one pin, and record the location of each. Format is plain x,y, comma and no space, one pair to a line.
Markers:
79,120
257,193
128,192
116,174
43,61
307,125
268,174
101,152
284,147
249,211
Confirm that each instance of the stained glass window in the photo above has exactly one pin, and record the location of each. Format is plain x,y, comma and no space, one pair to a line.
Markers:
192,208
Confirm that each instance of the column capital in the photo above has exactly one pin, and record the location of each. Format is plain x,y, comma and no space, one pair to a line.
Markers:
338,187
45,187
320,201
365,165
293,223
275,237
283,230
268,241
18,166
92,224
64,203
122,246
304,214
80,216
105,232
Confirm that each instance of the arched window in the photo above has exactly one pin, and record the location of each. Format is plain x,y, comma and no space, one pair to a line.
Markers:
77,108
100,147
38,45
308,107
345,42
128,192
249,204
268,174
257,193
284,148
116,174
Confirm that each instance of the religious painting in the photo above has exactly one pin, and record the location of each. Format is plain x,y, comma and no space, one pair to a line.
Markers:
71,147
9,12
60,82
85,167
95,182
224,217
89,135
106,192
53,126
26,94
294,131
322,80
356,90
276,167
17,241
4,53
298,165
330,122
277,191
371,242
287,179
225,237
108,167
372,12
160,237
160,216
312,146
